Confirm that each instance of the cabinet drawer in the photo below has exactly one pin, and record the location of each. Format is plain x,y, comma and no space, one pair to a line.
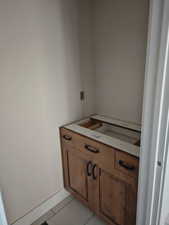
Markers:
88,146
100,153
67,137
126,164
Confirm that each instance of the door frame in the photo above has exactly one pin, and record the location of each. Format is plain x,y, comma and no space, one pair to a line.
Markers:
3,219
155,114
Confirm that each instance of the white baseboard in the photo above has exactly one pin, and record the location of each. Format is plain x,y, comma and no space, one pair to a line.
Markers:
42,209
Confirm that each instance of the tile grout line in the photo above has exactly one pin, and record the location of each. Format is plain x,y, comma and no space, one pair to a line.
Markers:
89,219
55,213
34,208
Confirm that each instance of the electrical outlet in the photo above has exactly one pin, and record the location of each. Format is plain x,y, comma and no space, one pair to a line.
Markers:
45,223
82,95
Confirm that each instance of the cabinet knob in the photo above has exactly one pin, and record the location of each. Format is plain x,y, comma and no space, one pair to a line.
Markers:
91,149
67,137
126,166
88,168
93,172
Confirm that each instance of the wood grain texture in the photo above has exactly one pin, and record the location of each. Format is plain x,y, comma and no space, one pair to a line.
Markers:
112,195
112,198
129,161
77,174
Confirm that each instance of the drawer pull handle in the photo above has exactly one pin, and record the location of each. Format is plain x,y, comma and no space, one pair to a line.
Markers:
93,172
125,165
91,149
67,137
88,167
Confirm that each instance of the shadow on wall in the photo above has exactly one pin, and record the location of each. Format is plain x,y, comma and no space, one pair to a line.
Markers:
39,91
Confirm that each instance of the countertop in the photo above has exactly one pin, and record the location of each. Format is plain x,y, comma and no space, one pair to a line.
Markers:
110,141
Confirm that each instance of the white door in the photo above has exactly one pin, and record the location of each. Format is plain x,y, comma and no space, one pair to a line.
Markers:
153,195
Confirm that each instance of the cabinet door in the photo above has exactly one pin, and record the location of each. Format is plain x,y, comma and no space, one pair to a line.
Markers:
75,176
117,200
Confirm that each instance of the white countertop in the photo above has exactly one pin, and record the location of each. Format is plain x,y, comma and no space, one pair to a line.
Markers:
111,141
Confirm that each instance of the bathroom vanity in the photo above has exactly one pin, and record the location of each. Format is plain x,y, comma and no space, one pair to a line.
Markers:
100,162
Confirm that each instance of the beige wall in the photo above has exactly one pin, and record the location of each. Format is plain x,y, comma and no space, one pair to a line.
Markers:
87,69
120,33
39,91
50,51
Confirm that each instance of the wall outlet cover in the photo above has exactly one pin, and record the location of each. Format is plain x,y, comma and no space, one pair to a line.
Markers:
45,223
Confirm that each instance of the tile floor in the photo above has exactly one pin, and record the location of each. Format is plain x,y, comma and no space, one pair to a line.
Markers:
69,212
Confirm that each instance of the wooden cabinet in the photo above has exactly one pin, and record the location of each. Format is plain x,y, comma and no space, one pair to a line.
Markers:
78,176
75,176
117,199
103,178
